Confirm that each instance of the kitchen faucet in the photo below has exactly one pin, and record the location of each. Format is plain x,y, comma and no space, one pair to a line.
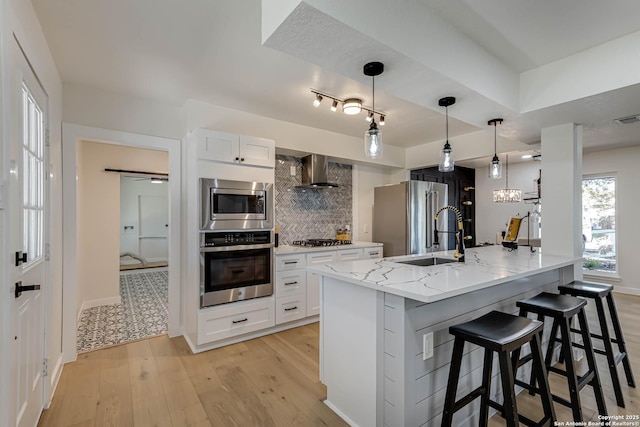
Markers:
459,234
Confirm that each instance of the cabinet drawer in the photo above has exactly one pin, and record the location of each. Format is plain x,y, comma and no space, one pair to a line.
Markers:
321,257
290,262
290,308
290,282
348,254
369,253
219,323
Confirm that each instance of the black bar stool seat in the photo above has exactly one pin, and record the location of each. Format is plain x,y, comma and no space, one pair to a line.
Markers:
596,292
501,333
562,308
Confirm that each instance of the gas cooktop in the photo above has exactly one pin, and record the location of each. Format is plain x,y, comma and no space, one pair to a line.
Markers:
320,242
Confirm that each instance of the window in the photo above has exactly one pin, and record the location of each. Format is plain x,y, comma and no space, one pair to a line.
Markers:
599,225
33,177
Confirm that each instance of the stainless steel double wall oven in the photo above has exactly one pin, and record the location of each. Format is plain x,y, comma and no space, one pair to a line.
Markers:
236,241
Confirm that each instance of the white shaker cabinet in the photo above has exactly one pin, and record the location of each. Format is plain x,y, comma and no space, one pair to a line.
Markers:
371,253
313,280
238,149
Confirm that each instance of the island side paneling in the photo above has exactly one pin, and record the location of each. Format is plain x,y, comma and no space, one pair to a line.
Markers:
414,389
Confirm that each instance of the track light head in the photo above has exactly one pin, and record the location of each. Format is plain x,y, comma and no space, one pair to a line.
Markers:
317,101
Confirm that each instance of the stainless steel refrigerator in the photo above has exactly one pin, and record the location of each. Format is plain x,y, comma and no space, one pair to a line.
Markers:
403,218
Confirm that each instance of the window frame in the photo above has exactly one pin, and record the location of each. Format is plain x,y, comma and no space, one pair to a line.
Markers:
615,275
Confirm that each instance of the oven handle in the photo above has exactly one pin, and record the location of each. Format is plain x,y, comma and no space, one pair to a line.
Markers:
235,248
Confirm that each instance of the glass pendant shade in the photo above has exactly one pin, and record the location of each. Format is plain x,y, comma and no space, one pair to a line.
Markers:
507,195
373,142
495,168
446,159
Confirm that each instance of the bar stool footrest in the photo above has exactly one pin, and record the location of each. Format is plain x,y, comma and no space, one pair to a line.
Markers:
468,398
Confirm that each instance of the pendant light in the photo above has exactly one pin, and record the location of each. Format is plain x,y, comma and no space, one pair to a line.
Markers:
495,167
373,136
507,195
446,160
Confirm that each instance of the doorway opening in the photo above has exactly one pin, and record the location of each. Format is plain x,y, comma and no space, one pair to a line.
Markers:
92,243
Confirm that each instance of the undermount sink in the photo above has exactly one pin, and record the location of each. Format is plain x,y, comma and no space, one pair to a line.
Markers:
426,262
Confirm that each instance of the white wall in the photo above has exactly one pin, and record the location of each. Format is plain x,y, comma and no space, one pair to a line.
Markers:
491,217
365,179
99,215
132,189
624,163
18,19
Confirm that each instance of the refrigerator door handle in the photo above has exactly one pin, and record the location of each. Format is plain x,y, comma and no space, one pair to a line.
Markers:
432,203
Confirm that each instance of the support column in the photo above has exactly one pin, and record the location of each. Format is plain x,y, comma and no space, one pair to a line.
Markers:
562,191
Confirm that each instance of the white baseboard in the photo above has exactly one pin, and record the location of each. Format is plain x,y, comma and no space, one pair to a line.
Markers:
245,337
626,290
98,303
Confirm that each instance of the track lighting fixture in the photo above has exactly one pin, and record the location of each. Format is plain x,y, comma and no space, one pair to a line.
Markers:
373,136
446,160
495,167
350,106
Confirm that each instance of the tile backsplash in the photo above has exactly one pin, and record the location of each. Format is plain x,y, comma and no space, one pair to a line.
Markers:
311,213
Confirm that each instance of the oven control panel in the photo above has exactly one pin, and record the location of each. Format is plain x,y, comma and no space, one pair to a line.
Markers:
234,238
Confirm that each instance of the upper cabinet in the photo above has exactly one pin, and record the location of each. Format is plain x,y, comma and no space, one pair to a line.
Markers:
238,149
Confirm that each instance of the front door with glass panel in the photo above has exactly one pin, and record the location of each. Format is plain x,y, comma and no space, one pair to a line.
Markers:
28,230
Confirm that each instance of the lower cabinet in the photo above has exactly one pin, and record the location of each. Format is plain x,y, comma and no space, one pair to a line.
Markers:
239,318
313,280
289,308
297,291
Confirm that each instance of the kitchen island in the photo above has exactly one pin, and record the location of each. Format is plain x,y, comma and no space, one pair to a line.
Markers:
384,345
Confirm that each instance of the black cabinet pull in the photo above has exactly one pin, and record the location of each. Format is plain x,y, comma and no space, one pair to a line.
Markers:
242,159
237,158
291,262
374,253
291,308
290,283
240,321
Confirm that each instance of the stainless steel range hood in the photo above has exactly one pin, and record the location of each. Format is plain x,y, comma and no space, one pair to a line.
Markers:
315,172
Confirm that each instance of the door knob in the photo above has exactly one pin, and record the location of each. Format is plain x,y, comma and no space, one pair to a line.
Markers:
20,289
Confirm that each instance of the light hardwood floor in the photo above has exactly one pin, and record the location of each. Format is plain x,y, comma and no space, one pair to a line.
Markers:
269,381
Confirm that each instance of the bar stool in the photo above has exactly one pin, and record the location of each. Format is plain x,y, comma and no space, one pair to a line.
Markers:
501,333
561,308
596,292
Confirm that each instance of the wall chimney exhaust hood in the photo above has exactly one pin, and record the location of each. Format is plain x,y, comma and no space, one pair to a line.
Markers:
315,172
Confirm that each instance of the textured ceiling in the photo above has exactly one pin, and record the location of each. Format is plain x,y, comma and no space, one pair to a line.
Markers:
212,51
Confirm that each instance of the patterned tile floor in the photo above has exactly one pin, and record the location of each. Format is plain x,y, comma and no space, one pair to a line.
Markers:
142,313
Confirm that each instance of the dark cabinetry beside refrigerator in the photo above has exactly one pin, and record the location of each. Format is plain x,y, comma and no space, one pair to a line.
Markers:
461,183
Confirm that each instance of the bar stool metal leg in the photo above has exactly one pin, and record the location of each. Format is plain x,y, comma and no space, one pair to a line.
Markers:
452,384
540,372
486,385
620,341
608,351
508,393
572,378
591,361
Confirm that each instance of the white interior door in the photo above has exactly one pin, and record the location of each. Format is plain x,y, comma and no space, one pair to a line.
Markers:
154,227
28,216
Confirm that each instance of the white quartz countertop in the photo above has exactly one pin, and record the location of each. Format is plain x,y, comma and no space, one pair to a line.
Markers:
286,249
483,267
